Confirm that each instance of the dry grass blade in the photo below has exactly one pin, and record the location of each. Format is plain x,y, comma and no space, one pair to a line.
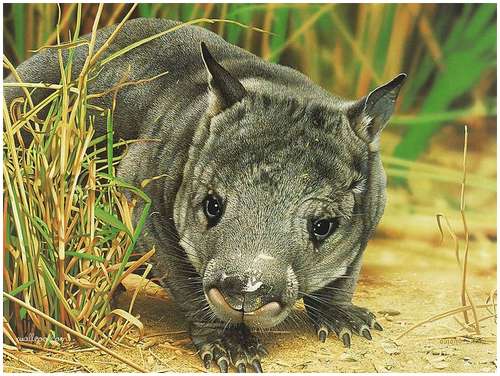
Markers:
466,244
165,333
124,84
59,360
357,50
112,36
136,264
440,316
297,33
116,54
465,296
40,348
10,67
492,298
63,23
133,320
144,282
18,369
425,29
116,13
62,46
7,331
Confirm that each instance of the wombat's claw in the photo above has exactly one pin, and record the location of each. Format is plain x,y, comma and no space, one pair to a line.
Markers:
223,365
343,320
322,333
345,335
242,368
256,365
207,361
233,346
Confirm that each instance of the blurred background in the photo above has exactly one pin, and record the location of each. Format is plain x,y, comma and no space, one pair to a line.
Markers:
449,53
448,50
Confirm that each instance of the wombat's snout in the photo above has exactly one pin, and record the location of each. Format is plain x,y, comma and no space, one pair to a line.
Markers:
245,298
246,293
258,297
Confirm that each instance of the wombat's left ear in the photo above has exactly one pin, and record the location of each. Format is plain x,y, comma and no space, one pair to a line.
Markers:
369,115
226,89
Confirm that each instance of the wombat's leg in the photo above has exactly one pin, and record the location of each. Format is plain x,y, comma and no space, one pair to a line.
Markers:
343,319
227,346
331,310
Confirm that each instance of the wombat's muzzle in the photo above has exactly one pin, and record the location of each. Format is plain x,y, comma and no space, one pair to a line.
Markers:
249,298
246,293
265,316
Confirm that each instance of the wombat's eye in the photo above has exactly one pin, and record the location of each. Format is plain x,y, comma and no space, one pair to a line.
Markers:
212,207
320,229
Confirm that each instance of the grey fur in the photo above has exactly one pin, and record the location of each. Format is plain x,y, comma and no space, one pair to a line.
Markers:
280,152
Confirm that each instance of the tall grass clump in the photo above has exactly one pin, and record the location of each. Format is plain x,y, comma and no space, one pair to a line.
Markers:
68,229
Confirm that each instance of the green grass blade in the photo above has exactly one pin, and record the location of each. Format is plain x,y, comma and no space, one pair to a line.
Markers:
85,256
19,289
241,13
111,220
19,29
384,38
280,25
145,10
109,139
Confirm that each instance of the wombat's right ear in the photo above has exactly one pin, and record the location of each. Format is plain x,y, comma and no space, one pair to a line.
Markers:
226,90
369,115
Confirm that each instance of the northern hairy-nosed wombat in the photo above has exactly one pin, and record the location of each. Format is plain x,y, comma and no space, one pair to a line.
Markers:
270,186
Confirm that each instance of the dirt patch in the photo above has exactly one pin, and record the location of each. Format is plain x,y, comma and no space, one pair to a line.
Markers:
396,278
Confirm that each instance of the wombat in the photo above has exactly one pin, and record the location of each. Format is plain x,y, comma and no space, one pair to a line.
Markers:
268,186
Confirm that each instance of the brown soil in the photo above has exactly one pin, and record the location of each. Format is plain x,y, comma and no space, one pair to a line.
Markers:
398,276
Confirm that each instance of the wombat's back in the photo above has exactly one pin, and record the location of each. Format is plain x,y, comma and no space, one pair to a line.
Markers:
177,52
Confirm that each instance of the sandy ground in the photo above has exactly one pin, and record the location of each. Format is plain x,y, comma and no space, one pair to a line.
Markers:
407,272
415,278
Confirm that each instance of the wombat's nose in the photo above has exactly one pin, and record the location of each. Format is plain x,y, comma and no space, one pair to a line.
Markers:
245,293
232,286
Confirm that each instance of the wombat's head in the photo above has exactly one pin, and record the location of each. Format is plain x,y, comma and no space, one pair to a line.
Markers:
278,196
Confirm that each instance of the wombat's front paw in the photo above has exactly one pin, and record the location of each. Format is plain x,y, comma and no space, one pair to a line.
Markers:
233,345
344,319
